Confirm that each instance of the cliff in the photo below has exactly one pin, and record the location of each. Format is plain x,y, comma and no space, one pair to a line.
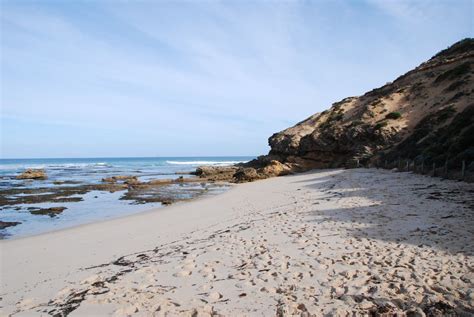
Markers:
425,114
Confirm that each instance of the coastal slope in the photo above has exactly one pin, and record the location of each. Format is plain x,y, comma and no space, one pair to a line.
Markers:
425,115
323,242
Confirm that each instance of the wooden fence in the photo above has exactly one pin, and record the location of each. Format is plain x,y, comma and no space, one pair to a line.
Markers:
447,170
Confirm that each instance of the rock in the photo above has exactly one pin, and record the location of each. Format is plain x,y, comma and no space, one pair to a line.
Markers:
439,309
33,174
67,182
132,181
183,173
6,224
126,179
415,312
109,187
215,296
166,181
246,174
216,173
110,180
52,212
275,168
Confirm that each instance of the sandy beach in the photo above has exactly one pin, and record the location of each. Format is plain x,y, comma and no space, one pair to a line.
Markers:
333,242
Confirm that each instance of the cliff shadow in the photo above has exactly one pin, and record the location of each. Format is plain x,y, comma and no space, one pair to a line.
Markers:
395,207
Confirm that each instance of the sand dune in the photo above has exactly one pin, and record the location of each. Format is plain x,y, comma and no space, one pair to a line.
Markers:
333,242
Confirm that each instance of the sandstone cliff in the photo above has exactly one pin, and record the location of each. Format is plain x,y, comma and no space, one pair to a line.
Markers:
426,114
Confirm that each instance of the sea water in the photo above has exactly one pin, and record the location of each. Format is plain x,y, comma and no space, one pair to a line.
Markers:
95,205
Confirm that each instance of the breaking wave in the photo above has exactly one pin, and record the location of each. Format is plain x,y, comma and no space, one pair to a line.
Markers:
195,163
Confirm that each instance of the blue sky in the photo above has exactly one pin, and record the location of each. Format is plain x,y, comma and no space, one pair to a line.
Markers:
175,78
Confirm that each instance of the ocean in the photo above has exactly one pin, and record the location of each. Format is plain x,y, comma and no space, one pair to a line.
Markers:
21,201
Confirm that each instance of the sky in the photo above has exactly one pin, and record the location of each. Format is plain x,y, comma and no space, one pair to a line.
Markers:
198,78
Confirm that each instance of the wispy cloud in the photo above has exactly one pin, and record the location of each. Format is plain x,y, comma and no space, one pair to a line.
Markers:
228,72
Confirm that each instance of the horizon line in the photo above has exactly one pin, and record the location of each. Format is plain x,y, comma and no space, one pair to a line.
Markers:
125,157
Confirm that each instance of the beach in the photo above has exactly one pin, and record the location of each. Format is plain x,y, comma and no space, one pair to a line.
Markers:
326,242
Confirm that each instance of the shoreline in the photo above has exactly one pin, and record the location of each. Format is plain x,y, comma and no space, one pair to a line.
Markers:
328,232
148,210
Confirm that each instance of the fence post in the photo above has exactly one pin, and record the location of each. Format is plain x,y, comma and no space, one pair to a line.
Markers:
357,162
407,165
463,170
434,169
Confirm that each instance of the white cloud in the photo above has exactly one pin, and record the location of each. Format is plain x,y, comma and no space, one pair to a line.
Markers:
243,69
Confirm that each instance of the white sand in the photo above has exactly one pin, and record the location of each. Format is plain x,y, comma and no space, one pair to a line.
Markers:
330,242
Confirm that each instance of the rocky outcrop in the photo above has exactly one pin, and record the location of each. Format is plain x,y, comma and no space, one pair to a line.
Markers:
260,168
216,173
33,174
425,114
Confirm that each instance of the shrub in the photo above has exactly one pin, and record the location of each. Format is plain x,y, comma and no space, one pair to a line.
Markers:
444,114
380,125
356,123
393,115
454,73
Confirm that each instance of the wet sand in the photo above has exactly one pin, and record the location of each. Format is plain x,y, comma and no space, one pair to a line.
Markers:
333,242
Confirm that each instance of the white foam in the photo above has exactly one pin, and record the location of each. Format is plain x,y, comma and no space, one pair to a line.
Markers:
18,166
195,163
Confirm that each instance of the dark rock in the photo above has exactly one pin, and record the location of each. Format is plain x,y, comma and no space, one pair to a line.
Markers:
246,174
6,224
67,182
52,212
216,173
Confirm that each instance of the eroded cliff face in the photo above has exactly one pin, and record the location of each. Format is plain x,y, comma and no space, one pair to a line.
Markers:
427,113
